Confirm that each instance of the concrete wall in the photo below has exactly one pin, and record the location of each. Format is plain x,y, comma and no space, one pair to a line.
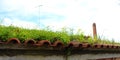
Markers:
30,57
92,56
60,57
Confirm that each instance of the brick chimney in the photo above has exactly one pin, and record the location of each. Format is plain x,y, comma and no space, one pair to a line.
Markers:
94,31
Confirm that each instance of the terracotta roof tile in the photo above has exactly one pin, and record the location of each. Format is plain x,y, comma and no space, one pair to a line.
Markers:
59,44
31,41
43,43
74,44
13,41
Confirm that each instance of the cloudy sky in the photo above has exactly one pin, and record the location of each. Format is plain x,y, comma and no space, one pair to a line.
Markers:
76,14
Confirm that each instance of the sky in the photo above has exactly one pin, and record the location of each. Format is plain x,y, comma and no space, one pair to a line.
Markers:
76,14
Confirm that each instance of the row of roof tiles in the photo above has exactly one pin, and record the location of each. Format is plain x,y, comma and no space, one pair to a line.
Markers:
72,44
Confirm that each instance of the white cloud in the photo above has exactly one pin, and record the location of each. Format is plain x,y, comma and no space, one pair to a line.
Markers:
76,16
19,23
82,13
77,13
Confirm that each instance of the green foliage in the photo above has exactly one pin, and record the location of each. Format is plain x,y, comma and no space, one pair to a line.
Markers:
79,36
25,34
101,40
65,35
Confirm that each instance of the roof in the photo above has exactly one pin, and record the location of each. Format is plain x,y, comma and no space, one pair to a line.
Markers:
58,44
13,46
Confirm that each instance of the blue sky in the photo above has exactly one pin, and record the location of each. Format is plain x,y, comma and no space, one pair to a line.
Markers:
77,14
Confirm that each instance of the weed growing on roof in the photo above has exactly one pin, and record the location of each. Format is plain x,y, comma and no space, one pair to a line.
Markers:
7,32
101,40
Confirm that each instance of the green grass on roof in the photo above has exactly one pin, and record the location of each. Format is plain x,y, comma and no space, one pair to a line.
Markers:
7,32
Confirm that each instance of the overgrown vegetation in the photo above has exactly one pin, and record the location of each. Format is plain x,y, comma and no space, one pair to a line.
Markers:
7,32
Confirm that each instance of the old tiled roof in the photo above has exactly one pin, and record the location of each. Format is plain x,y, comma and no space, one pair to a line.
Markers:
13,46
59,44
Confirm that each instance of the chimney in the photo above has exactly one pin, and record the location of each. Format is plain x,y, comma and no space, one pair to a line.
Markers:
94,31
